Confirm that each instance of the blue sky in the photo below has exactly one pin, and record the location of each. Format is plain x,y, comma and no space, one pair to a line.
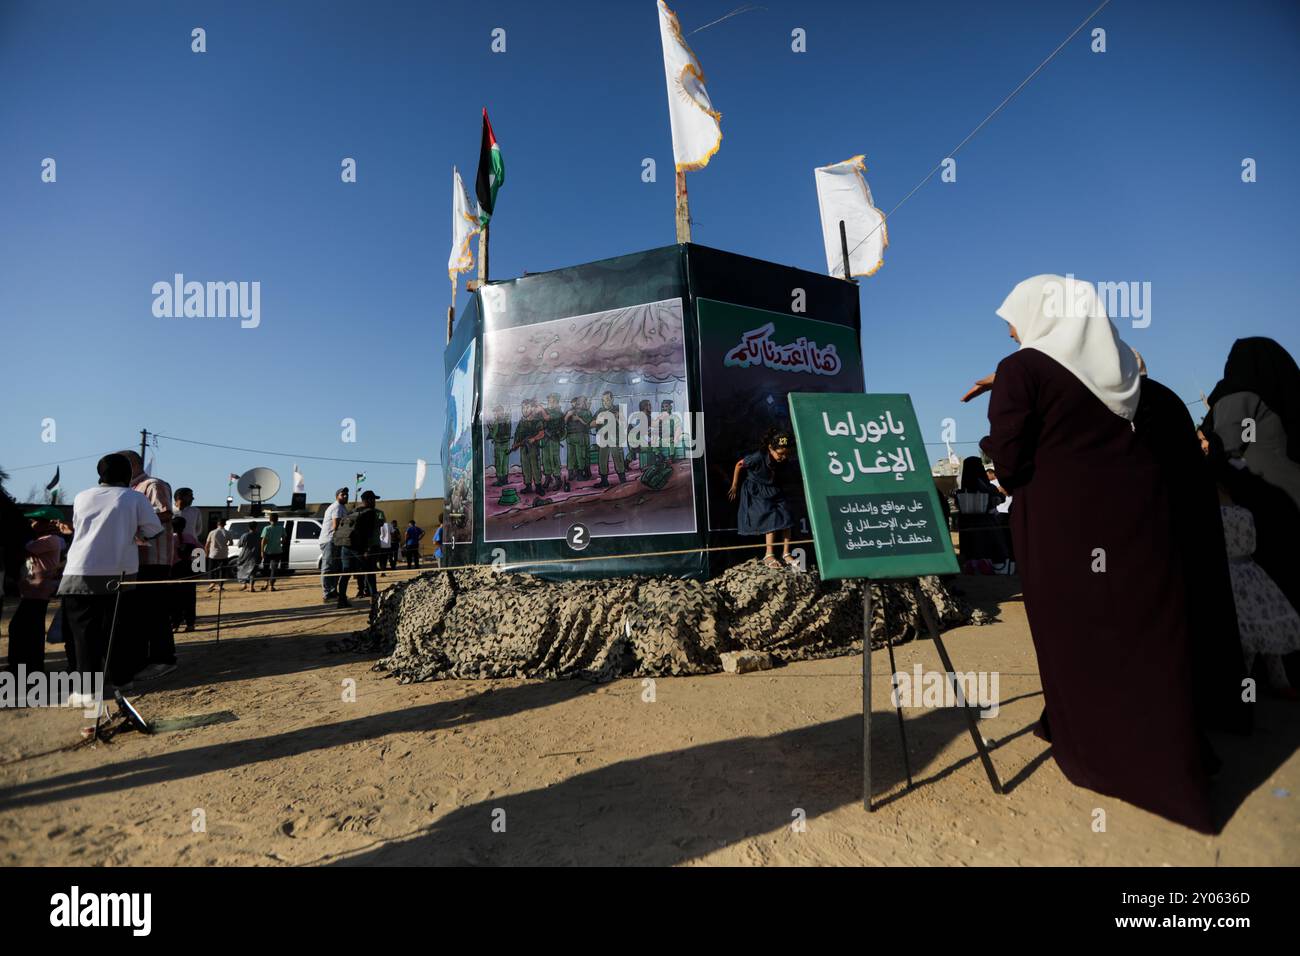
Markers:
1121,166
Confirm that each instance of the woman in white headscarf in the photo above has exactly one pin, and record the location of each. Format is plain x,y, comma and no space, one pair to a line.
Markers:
1099,570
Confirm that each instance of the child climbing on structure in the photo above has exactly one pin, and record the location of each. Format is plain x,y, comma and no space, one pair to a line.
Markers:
763,508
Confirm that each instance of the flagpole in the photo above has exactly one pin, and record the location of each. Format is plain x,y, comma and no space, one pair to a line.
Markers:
483,256
451,310
844,248
683,209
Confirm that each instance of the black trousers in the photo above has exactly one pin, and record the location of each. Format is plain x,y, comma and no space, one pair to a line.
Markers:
366,582
148,616
88,619
27,635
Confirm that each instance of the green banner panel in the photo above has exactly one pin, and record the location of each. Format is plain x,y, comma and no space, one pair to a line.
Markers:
874,507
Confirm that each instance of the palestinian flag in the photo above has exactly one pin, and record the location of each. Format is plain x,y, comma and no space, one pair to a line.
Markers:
491,172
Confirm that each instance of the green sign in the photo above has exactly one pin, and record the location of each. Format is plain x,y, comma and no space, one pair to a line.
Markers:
874,508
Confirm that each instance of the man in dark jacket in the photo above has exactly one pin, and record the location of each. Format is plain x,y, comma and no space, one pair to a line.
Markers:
352,539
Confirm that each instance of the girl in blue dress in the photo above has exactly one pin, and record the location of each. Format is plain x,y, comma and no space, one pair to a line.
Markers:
763,507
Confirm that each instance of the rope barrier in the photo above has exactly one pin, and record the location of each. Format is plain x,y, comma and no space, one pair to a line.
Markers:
501,567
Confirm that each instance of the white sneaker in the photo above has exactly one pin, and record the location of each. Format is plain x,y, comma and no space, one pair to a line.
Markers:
82,701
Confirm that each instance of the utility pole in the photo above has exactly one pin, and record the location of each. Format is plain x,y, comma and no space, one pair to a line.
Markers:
144,440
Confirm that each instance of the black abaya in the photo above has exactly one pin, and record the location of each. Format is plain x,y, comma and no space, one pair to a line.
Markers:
1103,589
1165,426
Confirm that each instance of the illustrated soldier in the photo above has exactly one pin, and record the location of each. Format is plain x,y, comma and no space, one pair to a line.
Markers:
669,430
553,435
609,420
499,435
577,423
640,440
528,434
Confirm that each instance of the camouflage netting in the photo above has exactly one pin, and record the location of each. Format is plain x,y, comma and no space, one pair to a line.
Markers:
474,623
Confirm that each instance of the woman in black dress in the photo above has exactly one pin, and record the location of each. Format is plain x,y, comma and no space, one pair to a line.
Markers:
1255,417
979,526
763,508
1102,577
1165,426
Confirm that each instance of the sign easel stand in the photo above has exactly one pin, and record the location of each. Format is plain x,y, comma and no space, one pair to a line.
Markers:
932,628
866,701
876,520
972,720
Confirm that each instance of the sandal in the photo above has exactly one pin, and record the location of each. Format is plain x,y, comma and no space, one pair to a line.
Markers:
770,561
791,561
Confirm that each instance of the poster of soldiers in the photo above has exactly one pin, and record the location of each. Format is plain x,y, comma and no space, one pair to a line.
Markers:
586,420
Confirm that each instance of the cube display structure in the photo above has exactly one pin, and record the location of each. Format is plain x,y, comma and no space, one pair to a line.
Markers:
595,413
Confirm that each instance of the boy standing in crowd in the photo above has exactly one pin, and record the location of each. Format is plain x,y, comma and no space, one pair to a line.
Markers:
185,508
413,535
272,547
218,551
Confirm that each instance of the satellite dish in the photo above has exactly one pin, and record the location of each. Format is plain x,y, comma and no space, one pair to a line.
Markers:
258,485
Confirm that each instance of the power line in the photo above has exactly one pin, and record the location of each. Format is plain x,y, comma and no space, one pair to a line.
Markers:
1010,96
285,454
747,8
61,461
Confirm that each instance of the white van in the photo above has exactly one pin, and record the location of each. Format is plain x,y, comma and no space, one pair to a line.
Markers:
302,534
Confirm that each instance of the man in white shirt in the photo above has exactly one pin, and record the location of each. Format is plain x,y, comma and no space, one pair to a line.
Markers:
218,545
385,544
106,522
185,508
329,557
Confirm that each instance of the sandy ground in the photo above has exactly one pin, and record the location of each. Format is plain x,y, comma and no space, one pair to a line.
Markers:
703,770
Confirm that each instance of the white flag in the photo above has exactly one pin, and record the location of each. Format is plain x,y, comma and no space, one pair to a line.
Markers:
843,194
421,466
464,227
299,483
697,126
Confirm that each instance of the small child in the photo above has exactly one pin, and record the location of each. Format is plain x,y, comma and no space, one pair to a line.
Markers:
183,609
1269,625
763,508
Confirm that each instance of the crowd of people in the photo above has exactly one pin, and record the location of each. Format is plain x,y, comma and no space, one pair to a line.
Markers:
137,550
1155,585
1161,592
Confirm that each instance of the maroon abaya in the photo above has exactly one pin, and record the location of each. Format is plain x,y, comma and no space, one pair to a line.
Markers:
1103,589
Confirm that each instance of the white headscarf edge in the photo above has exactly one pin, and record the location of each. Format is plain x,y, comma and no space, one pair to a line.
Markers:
1063,317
